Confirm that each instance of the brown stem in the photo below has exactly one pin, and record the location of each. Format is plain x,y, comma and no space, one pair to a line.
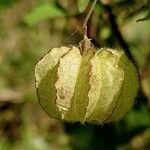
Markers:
117,33
87,19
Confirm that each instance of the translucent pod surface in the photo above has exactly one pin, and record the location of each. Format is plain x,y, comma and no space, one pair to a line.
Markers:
98,86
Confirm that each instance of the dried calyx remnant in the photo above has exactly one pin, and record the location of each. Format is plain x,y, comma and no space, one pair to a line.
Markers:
84,84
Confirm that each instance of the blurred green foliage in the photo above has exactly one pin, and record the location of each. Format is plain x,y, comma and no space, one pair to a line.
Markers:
28,29
82,4
6,3
42,12
147,17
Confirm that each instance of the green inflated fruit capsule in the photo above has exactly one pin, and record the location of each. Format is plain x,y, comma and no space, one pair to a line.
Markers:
96,86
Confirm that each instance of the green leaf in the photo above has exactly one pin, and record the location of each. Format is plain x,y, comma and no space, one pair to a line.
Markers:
82,4
7,3
43,12
147,17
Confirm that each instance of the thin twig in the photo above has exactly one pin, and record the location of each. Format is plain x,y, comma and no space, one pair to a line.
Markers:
87,18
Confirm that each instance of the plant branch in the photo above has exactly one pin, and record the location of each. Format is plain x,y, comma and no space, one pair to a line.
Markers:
117,33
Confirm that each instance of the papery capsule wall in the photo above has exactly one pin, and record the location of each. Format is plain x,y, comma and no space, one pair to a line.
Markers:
97,87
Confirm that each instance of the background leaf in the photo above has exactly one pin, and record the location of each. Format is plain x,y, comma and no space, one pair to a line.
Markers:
43,12
82,4
147,17
7,3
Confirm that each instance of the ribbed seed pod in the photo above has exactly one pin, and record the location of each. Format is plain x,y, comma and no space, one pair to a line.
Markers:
98,86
